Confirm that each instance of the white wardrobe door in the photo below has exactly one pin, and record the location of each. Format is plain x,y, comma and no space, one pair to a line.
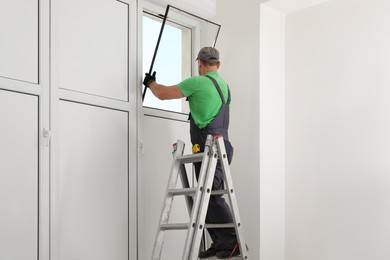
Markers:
19,40
18,176
91,219
93,47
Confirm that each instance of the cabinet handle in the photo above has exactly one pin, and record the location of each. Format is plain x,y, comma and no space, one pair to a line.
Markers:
46,135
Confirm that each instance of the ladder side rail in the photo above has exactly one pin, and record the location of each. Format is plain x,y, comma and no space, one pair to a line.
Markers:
167,205
201,219
232,197
198,197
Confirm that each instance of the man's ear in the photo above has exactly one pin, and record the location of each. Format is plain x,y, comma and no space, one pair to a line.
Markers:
199,64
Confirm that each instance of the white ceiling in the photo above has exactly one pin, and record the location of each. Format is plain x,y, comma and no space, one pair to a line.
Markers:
288,6
202,8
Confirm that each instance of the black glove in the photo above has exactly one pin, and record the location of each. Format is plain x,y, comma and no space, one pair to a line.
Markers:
149,79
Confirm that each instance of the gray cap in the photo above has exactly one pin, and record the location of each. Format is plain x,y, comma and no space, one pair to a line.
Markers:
208,54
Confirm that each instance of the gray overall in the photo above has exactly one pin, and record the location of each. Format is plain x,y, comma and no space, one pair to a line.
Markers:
218,210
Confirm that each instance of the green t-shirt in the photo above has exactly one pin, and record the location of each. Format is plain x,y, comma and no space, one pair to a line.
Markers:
203,97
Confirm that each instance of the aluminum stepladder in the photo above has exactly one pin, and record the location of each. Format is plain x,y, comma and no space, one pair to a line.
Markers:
197,198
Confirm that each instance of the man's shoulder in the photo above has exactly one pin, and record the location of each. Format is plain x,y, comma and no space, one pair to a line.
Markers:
194,81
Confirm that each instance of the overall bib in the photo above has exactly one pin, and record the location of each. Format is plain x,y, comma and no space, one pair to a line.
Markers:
218,211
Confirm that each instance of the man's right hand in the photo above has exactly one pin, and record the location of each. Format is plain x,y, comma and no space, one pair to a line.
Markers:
149,79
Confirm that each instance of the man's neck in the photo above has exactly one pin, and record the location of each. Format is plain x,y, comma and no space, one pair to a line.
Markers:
210,69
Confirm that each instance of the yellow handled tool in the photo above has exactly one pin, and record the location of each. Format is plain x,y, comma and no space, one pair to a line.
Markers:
195,148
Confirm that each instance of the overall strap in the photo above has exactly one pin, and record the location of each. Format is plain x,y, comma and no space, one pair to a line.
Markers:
219,89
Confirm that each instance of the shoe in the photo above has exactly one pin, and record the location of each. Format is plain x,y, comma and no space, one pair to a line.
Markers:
209,253
225,254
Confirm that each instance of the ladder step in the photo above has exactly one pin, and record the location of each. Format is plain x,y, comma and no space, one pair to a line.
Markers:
218,192
225,225
179,226
174,226
190,158
232,258
185,191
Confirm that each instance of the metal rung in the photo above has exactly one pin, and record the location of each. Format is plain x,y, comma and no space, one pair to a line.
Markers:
175,226
218,192
191,158
232,258
185,191
225,225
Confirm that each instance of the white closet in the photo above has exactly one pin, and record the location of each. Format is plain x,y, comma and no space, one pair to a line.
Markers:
68,143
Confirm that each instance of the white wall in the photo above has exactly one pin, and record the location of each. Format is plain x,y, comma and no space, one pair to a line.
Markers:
238,44
336,130
272,134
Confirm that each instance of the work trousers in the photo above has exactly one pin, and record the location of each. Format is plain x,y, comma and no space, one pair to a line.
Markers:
219,211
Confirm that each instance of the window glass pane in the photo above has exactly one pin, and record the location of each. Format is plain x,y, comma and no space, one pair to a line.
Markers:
183,36
171,63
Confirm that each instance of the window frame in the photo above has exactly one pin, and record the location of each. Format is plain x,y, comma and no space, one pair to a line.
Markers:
194,25
151,10
187,64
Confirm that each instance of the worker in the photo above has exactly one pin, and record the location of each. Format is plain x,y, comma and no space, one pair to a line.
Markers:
209,98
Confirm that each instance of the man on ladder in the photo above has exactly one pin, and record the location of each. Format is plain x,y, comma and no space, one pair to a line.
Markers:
209,99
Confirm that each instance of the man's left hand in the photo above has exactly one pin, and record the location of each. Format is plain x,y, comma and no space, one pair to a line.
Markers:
149,79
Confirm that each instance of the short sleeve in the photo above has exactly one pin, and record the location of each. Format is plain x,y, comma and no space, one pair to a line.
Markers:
188,86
